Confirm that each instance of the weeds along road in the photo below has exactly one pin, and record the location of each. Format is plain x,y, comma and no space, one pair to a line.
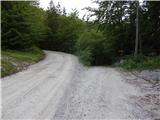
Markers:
60,88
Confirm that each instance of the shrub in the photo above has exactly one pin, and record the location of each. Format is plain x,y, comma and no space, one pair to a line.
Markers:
141,62
85,56
92,49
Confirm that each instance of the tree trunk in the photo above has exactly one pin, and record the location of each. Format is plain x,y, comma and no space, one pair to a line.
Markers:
140,45
137,30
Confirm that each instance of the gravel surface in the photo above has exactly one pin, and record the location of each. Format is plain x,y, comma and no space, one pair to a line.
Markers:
150,75
60,88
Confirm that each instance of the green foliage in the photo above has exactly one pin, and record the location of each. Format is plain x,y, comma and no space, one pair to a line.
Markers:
67,33
29,56
92,49
63,31
141,62
84,47
22,24
36,20
117,19
110,37
13,23
150,28
85,56
7,68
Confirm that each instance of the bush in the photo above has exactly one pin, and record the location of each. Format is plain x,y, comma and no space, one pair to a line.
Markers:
92,49
85,56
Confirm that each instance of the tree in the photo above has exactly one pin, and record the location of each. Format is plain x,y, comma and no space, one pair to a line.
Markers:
15,30
150,22
52,6
59,9
22,24
137,30
64,11
52,24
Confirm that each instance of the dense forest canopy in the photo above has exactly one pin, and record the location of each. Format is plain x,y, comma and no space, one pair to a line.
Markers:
118,20
108,38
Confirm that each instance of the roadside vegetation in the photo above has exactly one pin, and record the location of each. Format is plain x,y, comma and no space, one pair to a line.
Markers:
140,63
13,61
106,40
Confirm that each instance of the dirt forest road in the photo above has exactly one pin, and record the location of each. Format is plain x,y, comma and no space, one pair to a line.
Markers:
59,87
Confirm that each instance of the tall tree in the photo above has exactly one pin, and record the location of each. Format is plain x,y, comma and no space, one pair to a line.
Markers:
137,31
64,13
59,9
15,30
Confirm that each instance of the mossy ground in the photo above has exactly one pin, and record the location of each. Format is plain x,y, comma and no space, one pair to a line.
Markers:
13,61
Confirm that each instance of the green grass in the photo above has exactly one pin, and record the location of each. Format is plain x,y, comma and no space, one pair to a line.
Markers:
7,68
13,61
141,63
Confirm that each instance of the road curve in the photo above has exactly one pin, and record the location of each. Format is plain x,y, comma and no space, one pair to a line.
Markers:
60,88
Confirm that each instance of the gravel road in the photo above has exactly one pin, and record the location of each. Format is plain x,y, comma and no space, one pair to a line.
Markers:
60,88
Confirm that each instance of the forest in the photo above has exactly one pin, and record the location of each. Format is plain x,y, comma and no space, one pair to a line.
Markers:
124,33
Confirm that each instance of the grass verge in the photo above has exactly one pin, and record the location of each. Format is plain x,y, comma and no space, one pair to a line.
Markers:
13,61
141,63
